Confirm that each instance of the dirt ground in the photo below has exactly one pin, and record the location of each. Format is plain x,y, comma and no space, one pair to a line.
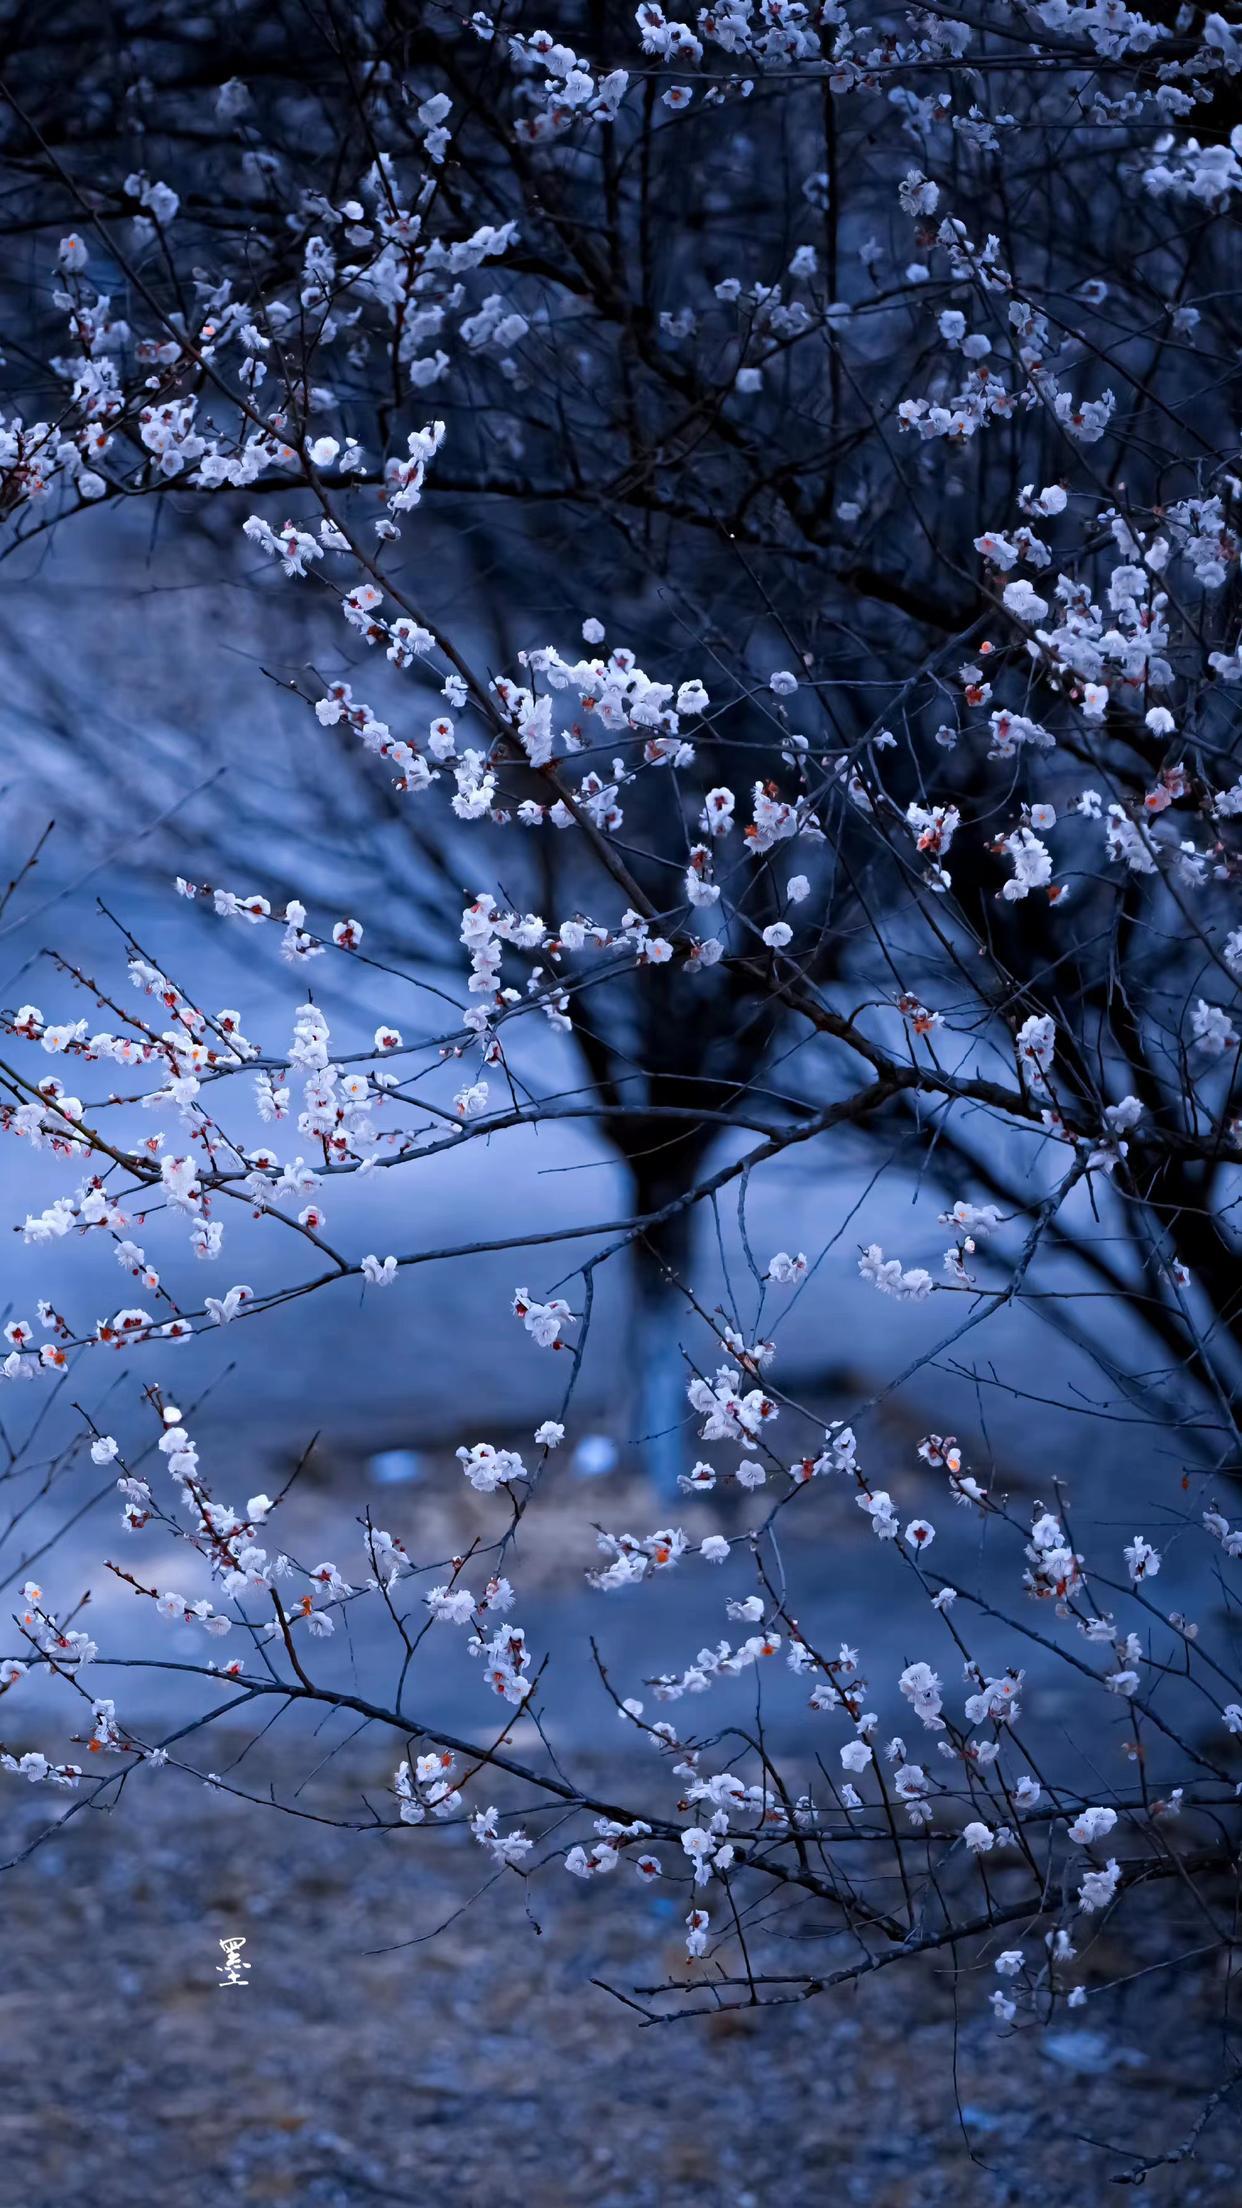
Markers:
364,2063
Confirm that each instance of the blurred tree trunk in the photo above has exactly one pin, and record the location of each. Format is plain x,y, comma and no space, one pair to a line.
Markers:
656,1406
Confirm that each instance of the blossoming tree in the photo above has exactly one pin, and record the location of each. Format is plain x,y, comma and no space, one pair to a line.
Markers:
858,390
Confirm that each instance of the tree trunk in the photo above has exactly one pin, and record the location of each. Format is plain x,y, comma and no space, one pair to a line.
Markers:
658,1416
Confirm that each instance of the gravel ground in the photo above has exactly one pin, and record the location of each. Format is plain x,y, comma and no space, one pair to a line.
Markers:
367,2062
482,2067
